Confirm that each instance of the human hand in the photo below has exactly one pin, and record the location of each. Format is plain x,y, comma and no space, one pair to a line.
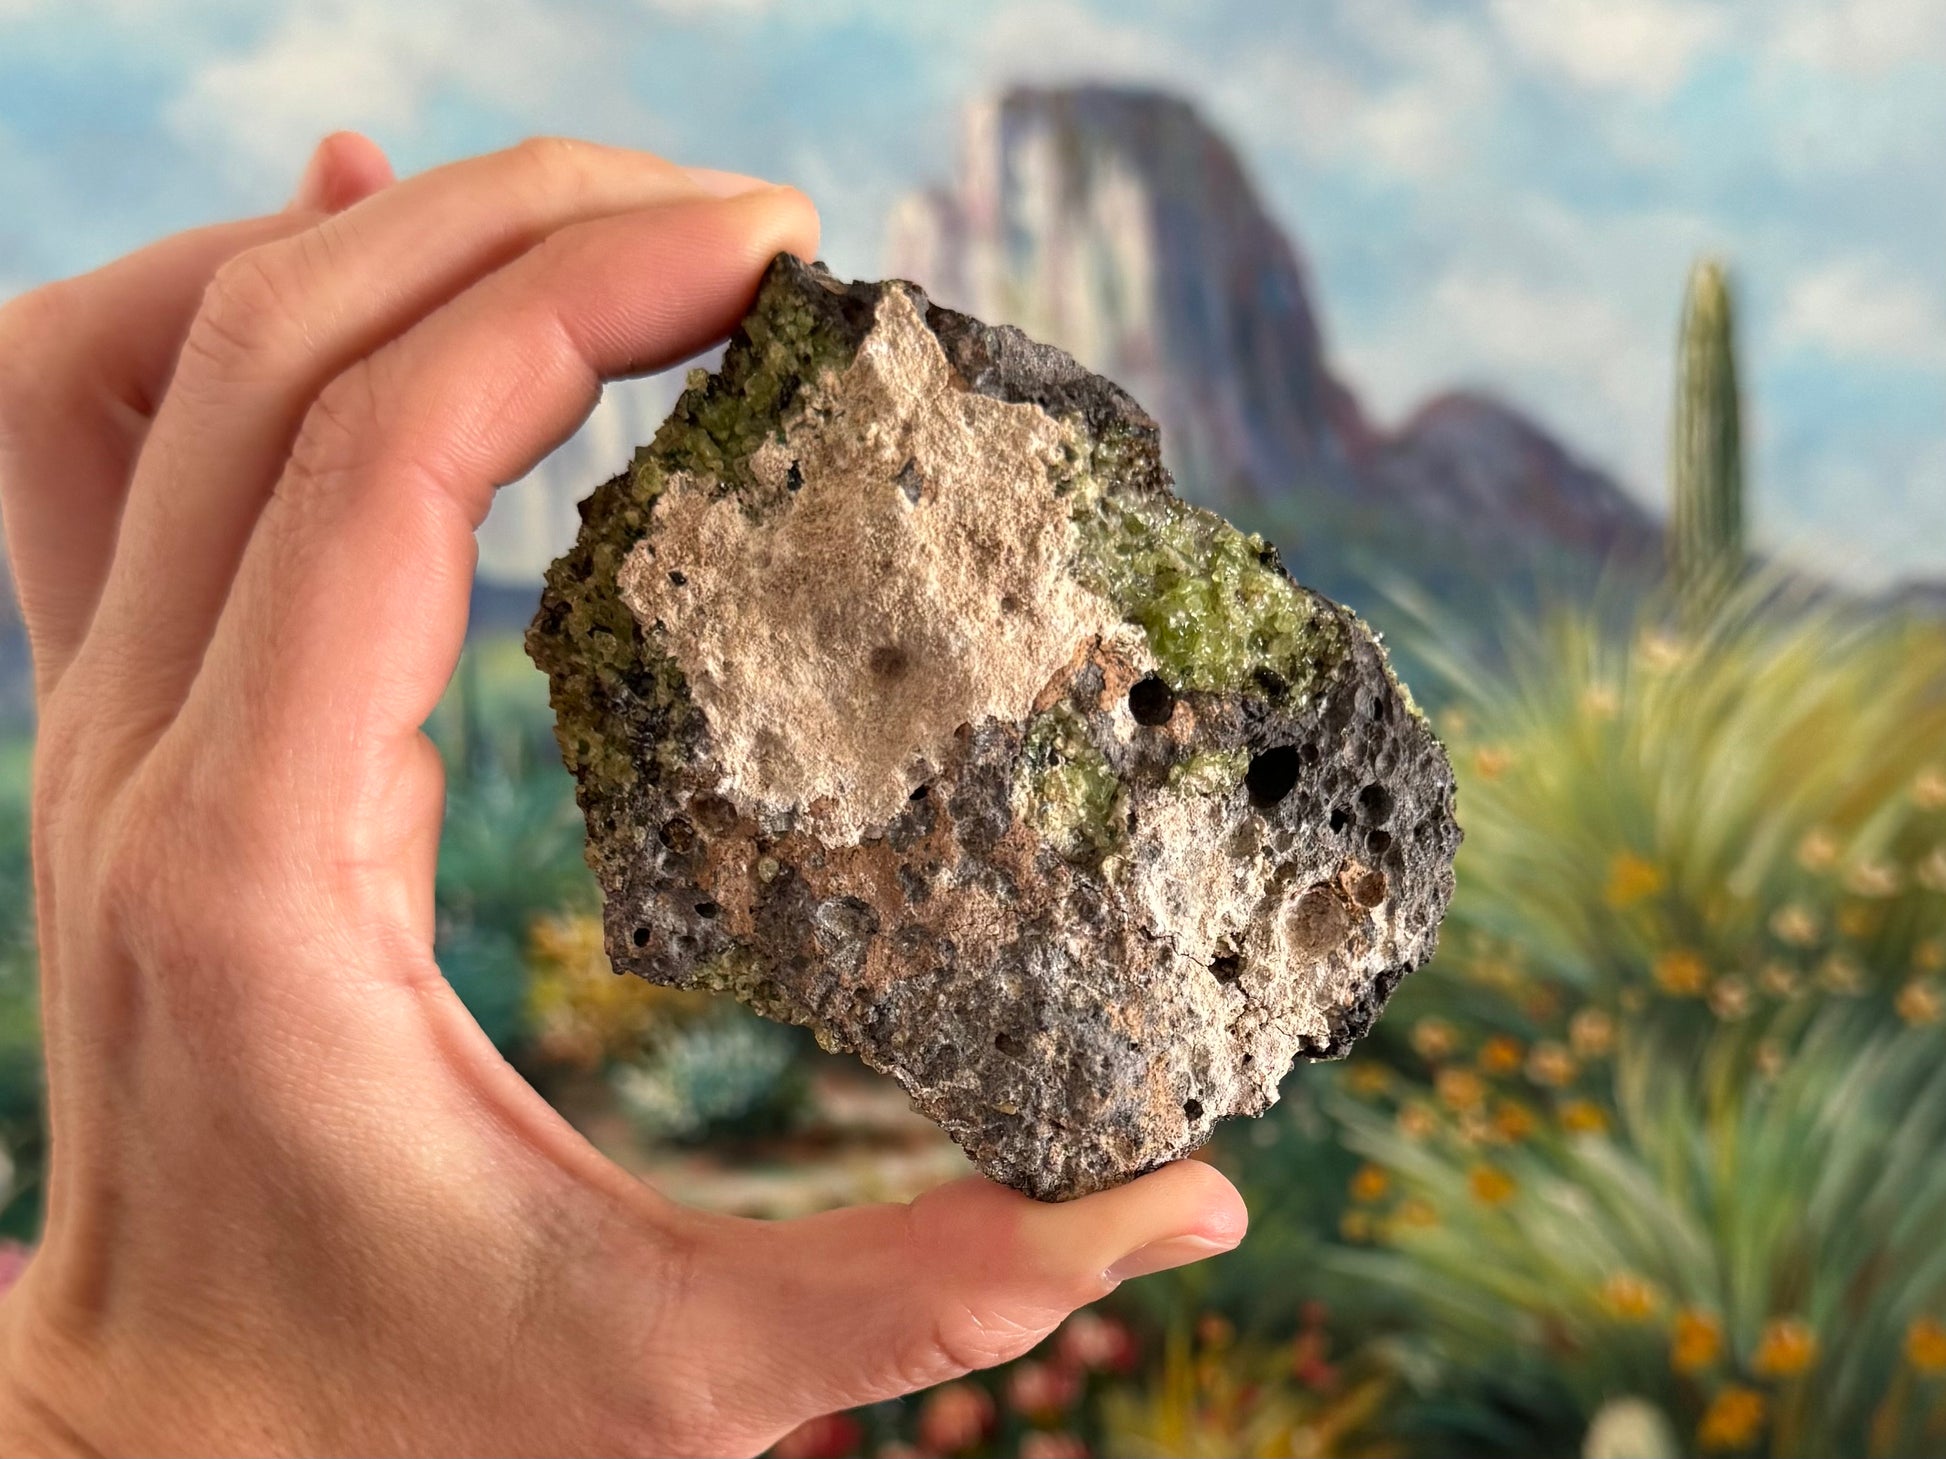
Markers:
296,1201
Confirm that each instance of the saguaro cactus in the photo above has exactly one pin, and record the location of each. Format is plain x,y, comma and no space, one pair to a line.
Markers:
1706,457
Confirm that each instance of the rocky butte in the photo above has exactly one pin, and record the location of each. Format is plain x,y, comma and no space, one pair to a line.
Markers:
907,702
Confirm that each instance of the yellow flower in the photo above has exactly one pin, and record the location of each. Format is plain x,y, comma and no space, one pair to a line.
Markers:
1729,998
1780,980
1455,722
1841,974
1491,1186
1490,762
1929,789
1417,1120
1919,1002
1818,850
1591,1033
1583,1117
1930,956
1661,650
1931,873
1696,1341
1460,1089
1631,879
1770,1058
1355,1225
1600,701
1875,879
1734,1418
1794,925
1367,1078
1680,973
1501,1054
1629,1297
1925,1345
1551,1065
1513,1121
1434,1039
1370,1183
1786,1349
1417,1212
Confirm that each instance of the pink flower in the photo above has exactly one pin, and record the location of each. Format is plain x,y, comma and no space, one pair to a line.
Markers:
1056,1444
954,1416
829,1436
1094,1342
1041,1390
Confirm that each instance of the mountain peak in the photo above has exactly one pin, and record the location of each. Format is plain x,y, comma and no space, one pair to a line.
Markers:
1116,223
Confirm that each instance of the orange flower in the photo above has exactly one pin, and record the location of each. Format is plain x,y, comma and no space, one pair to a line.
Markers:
1491,1186
1770,1058
1370,1183
1355,1225
1925,1345
1858,920
1512,1120
1417,1212
1734,1418
1786,1349
1930,955
1696,1341
1841,974
1818,850
1418,1121
1629,1297
1874,879
1591,1033
1434,1039
1730,998
1794,925
1551,1065
1929,789
1630,879
1780,980
1501,1054
1583,1117
1490,762
1460,1089
1919,1002
1368,1077
1680,973
1931,872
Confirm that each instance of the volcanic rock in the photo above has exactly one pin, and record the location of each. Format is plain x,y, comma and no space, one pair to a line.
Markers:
905,701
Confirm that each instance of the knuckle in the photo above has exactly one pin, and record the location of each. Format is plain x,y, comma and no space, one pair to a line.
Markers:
342,432
549,165
249,322
28,323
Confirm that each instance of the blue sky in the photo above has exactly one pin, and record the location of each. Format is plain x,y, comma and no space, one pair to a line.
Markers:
1501,194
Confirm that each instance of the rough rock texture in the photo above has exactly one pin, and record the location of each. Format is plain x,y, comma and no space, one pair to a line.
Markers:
905,701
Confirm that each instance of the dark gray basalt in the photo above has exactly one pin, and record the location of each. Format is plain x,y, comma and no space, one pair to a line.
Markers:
906,702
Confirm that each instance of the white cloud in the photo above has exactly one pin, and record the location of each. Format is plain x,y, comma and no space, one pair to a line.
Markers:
1645,46
379,66
1861,38
1861,308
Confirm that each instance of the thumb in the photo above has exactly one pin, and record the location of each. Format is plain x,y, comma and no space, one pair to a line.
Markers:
852,1307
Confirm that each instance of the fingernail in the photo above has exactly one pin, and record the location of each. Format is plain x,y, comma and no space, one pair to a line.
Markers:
723,184
1159,1256
311,187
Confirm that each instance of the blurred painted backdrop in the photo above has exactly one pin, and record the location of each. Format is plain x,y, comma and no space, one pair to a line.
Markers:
1648,1162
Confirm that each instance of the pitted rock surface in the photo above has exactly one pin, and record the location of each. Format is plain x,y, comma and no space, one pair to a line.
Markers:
905,701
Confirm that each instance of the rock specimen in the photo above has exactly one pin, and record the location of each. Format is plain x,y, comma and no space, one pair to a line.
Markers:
906,702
